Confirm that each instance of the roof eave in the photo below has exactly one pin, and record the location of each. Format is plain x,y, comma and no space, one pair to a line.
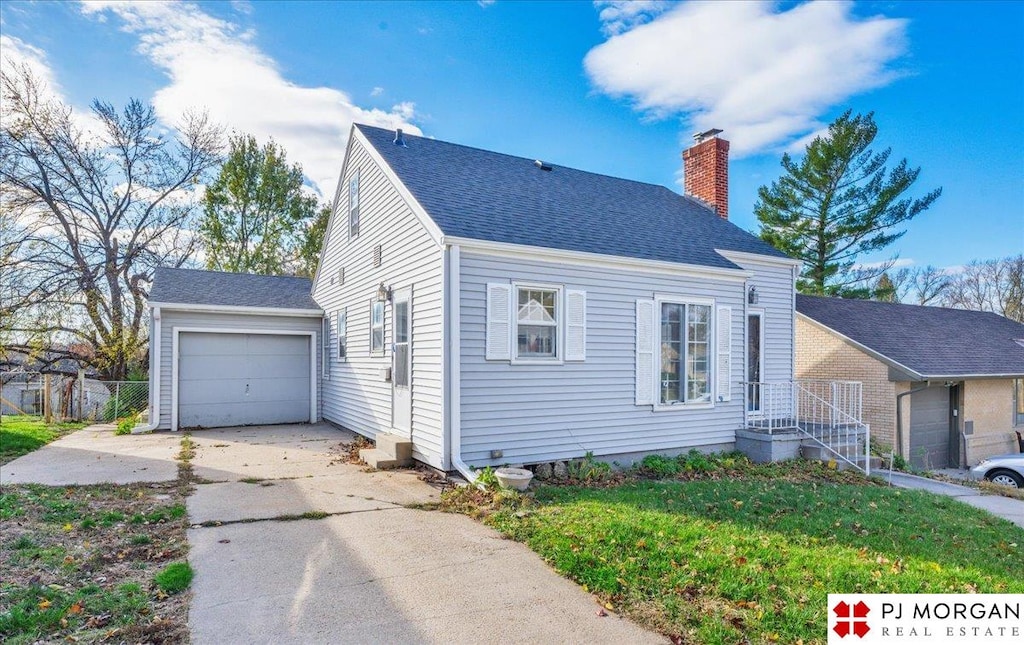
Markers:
583,257
236,309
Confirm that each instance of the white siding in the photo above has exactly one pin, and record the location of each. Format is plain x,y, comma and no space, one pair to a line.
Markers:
177,319
536,413
776,291
356,395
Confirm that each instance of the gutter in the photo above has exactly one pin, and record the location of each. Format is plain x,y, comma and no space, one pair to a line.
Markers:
453,342
154,381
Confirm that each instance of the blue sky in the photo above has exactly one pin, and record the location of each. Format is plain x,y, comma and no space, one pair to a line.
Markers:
610,87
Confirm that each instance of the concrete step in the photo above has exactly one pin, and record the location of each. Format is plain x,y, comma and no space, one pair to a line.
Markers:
815,451
399,448
377,458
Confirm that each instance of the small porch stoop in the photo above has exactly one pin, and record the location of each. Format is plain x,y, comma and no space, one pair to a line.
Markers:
816,420
392,451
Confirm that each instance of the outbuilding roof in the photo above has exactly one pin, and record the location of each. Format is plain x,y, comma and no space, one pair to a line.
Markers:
931,342
482,195
220,289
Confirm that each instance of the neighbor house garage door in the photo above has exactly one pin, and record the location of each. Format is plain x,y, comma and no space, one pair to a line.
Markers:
929,428
242,379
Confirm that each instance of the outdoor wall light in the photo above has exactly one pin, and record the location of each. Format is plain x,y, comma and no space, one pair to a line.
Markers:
383,293
752,296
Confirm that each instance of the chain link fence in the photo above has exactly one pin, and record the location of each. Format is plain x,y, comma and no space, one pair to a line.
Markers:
72,398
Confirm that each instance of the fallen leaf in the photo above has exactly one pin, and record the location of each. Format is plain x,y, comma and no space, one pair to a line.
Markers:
608,605
602,613
44,603
75,608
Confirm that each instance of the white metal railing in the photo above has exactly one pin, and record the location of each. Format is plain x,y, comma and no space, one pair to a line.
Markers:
830,413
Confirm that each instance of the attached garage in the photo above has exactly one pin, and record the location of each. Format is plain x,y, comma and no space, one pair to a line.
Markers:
238,379
930,429
218,362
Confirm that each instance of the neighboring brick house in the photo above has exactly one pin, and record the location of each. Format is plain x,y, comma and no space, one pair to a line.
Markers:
946,386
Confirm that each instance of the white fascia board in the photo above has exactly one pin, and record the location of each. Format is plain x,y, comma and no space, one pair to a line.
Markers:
334,209
743,256
229,309
522,251
417,209
864,348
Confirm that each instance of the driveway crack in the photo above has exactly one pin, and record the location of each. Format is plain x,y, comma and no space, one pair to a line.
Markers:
308,515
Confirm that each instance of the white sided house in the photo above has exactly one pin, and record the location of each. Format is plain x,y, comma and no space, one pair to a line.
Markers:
483,309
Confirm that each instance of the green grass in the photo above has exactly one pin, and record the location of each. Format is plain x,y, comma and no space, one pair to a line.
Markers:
36,611
20,435
752,560
74,569
174,578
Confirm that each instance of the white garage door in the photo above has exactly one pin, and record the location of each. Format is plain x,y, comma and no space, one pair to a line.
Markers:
242,379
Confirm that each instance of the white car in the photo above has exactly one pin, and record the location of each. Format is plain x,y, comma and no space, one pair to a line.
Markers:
1007,470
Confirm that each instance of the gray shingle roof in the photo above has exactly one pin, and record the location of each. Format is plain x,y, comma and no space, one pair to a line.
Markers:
931,341
217,288
489,196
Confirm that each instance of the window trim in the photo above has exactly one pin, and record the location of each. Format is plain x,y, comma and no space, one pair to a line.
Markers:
559,357
382,350
353,231
341,318
325,347
675,299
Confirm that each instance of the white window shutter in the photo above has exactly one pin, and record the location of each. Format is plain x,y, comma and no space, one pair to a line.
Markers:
645,352
499,321
575,325
723,370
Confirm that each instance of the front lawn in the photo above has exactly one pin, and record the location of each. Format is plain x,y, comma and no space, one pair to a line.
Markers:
751,558
20,435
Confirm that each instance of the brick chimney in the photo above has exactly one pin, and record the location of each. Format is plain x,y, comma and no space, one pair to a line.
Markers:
706,171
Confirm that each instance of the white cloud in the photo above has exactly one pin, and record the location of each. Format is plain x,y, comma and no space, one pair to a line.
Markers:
377,91
485,3
618,16
763,74
213,64
15,53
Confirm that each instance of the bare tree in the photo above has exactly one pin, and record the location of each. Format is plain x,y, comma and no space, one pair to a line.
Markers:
921,285
990,285
89,212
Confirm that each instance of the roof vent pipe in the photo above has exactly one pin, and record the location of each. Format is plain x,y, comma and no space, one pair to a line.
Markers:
399,138
542,165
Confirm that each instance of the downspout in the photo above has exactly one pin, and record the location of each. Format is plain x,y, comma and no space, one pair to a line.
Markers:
899,417
154,380
454,342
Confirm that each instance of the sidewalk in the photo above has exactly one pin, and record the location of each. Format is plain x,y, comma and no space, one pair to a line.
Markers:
1004,507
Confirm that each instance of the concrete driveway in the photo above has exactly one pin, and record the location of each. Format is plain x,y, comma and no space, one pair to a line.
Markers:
373,569
94,455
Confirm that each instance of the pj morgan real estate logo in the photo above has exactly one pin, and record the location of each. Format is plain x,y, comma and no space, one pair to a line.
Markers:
926,618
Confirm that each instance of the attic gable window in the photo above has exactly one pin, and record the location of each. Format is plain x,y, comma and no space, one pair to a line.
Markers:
353,205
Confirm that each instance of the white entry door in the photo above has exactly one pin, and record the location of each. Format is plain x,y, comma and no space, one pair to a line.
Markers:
401,368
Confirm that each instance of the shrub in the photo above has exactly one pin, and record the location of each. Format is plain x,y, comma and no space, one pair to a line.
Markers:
659,466
589,469
125,425
486,479
696,460
174,578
